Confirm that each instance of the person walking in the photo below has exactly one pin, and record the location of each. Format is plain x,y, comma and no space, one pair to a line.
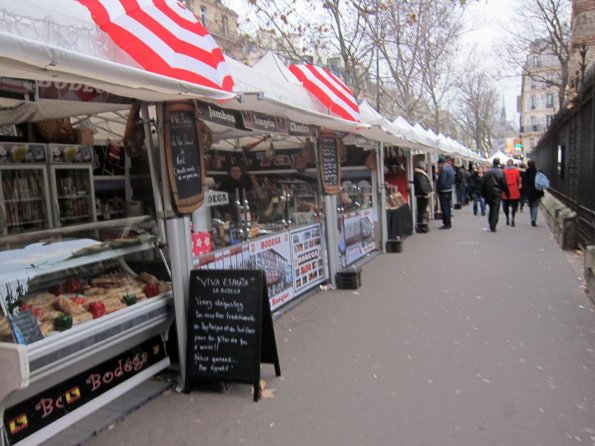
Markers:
459,186
533,195
475,181
510,204
444,186
423,188
493,186
523,200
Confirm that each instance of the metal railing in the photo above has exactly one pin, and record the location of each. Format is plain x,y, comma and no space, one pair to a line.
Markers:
566,154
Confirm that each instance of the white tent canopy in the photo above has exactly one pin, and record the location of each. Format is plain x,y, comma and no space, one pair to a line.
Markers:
382,130
501,155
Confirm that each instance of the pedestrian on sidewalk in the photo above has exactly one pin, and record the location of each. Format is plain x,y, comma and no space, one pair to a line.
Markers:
533,195
444,186
510,204
460,186
423,188
523,200
475,181
492,188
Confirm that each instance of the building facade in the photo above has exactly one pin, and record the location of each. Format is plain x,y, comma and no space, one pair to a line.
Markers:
539,100
222,24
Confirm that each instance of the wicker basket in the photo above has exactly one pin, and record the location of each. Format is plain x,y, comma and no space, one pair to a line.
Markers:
56,130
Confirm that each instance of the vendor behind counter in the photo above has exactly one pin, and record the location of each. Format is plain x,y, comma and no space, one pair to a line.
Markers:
235,180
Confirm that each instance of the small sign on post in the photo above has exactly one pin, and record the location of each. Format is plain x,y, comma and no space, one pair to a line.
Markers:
330,168
230,328
184,155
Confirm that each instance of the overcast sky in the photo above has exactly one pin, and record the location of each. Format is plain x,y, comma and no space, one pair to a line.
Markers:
484,29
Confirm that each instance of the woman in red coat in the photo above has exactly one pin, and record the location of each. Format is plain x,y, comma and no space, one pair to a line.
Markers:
513,179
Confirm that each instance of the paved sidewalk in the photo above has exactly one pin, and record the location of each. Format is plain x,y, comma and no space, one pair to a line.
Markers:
466,338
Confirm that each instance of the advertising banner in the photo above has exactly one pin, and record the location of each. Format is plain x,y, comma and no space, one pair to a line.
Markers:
308,258
273,256
40,410
356,236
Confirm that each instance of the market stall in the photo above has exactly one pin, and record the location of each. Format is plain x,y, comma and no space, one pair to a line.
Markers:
88,298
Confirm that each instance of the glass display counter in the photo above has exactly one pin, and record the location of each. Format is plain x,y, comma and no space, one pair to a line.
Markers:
72,304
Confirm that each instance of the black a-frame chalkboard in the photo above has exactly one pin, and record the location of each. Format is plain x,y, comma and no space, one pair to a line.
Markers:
230,328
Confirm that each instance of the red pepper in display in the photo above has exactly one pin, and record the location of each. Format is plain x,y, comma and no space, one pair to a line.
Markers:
25,307
151,289
97,309
72,286
78,300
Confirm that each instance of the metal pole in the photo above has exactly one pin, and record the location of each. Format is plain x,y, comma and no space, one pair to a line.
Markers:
330,215
381,193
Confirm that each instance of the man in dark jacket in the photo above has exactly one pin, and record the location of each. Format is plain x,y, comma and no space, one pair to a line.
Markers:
444,185
423,188
493,185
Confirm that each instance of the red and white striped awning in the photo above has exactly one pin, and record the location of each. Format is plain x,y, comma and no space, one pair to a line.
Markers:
165,38
329,89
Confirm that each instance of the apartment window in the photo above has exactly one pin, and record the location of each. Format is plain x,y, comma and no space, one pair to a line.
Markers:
532,102
549,100
203,15
333,63
224,25
548,120
533,83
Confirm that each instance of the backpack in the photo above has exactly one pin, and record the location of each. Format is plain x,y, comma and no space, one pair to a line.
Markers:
541,181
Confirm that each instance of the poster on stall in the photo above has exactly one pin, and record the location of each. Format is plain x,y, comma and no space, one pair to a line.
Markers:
367,221
273,255
356,236
308,258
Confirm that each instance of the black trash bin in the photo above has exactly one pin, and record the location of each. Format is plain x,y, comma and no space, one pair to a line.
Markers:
394,245
350,279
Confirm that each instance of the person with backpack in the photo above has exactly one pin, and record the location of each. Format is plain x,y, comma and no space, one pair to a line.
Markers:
532,193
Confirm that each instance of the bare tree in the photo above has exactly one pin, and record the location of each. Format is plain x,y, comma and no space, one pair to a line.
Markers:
398,51
542,29
476,110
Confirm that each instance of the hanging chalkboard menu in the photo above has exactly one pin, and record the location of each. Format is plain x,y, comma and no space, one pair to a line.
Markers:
183,155
230,328
330,169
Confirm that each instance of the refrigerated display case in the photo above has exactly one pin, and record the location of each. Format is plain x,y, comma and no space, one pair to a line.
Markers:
84,312
24,199
72,187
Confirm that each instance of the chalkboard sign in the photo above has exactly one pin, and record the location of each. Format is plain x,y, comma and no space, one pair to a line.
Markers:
330,171
184,155
25,328
230,328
